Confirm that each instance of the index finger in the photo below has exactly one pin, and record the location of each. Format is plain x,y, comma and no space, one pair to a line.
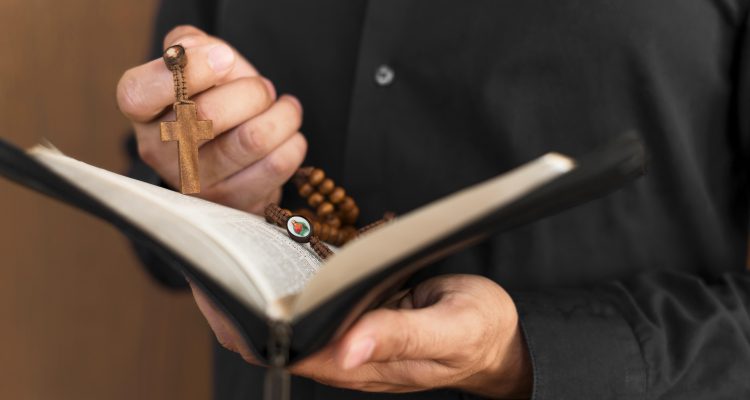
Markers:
144,91
172,37
190,37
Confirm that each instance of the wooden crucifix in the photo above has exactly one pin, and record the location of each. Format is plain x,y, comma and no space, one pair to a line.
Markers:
186,129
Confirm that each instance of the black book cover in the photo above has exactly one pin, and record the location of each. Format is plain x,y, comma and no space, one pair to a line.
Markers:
595,175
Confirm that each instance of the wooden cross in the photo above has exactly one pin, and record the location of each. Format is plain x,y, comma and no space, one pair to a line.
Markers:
187,130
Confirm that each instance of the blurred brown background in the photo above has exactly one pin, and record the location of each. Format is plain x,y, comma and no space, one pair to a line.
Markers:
79,318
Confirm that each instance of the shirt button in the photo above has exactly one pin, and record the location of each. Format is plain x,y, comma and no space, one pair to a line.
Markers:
384,75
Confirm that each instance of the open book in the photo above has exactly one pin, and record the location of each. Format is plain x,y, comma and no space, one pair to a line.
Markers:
284,300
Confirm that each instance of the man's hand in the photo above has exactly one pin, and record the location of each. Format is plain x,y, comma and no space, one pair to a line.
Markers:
458,331
258,146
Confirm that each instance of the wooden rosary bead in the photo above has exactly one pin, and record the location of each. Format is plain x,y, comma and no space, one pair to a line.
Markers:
305,212
350,217
332,232
325,231
301,175
306,190
349,233
333,220
316,176
325,209
332,214
315,199
337,195
340,238
326,186
303,172
346,204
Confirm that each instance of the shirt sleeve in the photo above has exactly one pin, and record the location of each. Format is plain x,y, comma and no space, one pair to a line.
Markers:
659,335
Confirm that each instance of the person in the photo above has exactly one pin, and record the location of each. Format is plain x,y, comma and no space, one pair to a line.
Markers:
643,294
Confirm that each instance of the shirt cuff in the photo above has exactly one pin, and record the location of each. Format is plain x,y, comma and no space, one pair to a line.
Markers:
581,347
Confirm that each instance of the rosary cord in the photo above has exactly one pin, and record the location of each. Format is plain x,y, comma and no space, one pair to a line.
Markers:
183,85
386,218
276,215
180,86
320,248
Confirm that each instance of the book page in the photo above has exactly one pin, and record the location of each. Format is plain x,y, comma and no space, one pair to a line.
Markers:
255,261
428,224
258,245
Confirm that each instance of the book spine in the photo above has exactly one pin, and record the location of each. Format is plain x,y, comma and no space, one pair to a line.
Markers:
277,381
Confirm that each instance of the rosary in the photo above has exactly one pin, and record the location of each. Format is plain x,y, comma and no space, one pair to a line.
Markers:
333,215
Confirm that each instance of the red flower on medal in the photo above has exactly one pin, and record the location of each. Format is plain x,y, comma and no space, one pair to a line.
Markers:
299,228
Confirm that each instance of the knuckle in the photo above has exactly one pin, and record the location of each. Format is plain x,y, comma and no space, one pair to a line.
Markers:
473,349
252,138
408,347
276,165
293,114
407,376
256,88
210,110
296,149
129,99
466,352
301,146
269,87
485,361
266,125
409,342
456,302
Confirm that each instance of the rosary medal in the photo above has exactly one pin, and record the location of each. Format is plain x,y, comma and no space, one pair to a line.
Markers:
187,130
299,229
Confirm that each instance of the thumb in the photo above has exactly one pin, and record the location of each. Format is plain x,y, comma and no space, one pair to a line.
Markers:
404,334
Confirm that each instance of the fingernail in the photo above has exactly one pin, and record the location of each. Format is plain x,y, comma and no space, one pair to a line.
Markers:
220,58
359,353
270,87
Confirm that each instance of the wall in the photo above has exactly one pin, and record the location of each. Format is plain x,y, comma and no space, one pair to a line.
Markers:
79,318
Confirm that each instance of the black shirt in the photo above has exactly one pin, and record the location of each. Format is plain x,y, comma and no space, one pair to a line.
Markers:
642,294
